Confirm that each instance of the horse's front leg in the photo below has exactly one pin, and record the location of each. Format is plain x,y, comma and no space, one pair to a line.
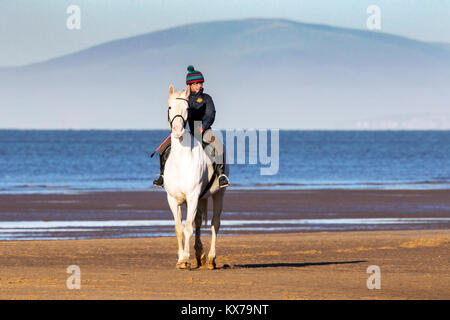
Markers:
176,211
192,203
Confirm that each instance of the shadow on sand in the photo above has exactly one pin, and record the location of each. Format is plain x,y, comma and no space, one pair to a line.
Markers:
291,265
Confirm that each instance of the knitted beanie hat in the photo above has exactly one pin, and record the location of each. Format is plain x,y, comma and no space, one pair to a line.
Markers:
193,76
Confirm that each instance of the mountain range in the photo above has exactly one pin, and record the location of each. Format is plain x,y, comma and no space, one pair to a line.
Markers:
261,73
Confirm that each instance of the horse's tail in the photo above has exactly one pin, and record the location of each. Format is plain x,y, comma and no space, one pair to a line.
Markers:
203,208
205,217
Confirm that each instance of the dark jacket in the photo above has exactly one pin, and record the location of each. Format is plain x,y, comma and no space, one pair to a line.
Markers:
201,108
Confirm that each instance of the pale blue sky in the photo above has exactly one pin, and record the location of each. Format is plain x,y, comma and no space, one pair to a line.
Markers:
32,31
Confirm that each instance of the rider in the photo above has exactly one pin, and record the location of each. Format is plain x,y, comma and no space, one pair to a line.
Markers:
201,108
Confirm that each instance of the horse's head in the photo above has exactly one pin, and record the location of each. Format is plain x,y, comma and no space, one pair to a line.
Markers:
178,111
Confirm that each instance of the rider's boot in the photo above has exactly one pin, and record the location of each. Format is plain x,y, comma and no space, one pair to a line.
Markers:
223,179
162,162
219,167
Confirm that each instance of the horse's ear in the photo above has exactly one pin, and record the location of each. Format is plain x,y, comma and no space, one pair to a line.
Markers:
171,89
187,92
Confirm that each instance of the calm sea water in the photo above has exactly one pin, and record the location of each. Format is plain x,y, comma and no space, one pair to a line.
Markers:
46,161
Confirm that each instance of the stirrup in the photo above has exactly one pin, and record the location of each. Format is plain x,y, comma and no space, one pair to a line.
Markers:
227,181
155,182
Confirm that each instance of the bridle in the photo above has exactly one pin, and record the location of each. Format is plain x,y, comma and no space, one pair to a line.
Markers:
178,115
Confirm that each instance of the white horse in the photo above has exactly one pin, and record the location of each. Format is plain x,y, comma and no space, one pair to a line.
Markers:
187,173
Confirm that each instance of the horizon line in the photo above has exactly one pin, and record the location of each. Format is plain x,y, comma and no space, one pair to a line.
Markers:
221,129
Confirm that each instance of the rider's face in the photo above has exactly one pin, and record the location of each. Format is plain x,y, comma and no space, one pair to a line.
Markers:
195,87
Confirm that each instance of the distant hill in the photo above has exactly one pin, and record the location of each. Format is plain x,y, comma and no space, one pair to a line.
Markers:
446,46
261,73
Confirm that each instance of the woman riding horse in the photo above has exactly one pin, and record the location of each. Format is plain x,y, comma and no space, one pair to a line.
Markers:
201,108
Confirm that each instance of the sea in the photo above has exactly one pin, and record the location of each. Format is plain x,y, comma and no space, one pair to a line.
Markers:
71,161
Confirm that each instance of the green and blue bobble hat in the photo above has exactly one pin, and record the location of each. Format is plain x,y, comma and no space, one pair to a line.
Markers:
193,76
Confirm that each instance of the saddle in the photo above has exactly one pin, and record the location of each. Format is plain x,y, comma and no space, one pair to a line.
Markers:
211,154
165,154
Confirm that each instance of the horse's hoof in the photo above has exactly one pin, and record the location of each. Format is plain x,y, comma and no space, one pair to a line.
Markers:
211,264
182,265
201,261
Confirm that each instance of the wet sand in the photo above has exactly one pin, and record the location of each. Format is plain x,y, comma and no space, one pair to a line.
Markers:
298,265
304,204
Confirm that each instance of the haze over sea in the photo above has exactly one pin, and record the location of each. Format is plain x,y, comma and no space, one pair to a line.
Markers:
66,161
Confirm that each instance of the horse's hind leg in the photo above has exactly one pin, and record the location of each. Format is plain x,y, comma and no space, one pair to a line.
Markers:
215,225
202,210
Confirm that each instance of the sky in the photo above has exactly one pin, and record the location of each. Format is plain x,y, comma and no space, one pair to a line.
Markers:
32,31
36,30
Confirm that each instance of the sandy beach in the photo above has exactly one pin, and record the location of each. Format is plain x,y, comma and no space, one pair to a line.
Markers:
414,264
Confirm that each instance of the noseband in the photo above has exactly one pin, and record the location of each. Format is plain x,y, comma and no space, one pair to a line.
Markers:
178,115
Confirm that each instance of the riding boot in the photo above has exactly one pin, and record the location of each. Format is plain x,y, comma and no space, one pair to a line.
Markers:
223,179
162,162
